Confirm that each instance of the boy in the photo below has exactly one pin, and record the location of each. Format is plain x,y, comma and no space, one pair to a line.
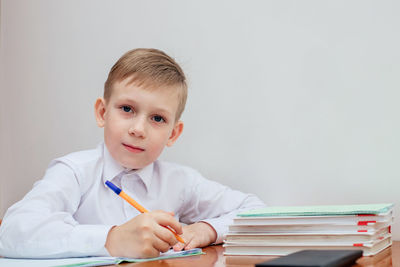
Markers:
70,212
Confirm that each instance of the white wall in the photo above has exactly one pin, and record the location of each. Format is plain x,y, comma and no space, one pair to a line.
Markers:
296,101
2,116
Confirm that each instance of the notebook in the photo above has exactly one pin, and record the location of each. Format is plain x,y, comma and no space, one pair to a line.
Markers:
93,261
251,248
277,238
357,219
324,210
310,228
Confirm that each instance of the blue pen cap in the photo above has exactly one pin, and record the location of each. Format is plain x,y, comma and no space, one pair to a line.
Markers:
113,187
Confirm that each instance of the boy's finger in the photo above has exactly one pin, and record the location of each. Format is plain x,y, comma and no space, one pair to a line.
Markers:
165,212
189,246
150,251
191,243
167,220
161,245
178,247
166,235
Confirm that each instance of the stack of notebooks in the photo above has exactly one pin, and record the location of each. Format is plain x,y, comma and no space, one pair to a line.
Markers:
284,230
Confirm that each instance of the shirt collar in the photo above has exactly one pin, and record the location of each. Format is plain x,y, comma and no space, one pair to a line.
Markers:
146,174
112,169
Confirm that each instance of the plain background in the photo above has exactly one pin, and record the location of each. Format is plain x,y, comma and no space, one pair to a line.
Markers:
295,101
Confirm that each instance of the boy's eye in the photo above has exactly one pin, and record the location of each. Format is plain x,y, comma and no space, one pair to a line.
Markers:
158,119
126,108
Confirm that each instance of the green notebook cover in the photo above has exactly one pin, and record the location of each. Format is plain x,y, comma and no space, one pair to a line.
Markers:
319,210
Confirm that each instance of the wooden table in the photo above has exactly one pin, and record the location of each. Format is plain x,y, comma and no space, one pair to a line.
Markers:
214,258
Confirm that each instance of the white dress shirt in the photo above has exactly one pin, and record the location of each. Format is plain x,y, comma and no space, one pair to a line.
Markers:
70,211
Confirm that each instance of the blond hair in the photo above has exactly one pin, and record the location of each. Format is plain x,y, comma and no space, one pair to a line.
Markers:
151,68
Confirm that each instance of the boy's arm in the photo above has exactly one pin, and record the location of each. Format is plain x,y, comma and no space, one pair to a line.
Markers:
42,225
215,204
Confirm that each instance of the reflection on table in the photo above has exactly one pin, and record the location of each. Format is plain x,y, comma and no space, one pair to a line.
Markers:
214,258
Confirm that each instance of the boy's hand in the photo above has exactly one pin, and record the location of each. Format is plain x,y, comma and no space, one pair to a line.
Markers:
197,235
143,236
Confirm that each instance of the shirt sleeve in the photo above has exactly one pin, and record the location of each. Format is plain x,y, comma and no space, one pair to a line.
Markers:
42,225
215,204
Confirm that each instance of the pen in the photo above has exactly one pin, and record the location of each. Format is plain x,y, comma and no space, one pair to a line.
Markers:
137,206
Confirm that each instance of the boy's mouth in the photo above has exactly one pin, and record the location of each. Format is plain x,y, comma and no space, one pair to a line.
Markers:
133,149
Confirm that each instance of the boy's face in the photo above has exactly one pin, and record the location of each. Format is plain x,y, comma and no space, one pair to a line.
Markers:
138,123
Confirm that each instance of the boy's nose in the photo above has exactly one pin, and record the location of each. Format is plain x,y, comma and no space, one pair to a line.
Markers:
137,127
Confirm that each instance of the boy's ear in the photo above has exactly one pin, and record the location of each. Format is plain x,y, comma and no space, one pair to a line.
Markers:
176,132
99,111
